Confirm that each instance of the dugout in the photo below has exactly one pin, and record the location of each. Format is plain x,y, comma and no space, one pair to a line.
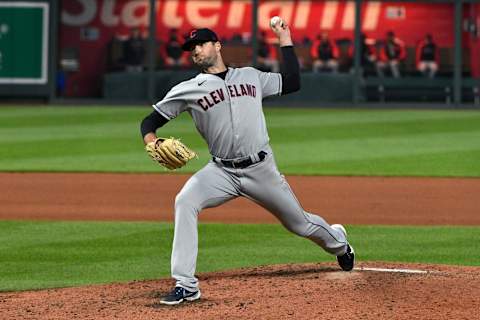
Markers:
86,42
458,36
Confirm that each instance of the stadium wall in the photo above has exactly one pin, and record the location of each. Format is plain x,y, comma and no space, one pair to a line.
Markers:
124,86
88,26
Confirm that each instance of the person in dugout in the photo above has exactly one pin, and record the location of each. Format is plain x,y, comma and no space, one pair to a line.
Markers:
427,57
267,55
368,55
173,54
391,54
324,54
134,51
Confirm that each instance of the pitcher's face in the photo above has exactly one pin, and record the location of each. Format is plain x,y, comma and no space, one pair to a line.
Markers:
205,54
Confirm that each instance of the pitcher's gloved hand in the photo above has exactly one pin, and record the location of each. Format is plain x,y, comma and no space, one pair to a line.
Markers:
169,152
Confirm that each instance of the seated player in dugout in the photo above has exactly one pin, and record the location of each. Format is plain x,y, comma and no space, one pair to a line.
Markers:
173,54
368,56
324,54
427,57
392,53
226,106
134,51
267,54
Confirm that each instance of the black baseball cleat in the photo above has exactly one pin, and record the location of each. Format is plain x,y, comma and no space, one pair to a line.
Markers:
178,295
347,260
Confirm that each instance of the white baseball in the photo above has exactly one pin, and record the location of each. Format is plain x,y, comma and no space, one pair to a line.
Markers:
276,20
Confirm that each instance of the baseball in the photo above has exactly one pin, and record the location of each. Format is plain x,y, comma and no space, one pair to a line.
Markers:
276,20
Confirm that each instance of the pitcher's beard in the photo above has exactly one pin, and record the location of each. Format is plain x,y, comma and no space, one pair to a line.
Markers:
204,64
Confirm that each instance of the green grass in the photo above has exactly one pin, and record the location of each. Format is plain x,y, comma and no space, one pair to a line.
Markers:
38,255
305,141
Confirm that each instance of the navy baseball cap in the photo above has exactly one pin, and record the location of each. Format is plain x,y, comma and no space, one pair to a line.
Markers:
199,36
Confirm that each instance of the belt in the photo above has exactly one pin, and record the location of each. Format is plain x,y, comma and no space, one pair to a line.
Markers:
241,164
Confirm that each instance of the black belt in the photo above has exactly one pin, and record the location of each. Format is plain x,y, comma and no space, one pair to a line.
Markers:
241,164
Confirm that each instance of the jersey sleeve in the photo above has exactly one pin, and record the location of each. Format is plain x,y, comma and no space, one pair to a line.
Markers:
173,103
271,83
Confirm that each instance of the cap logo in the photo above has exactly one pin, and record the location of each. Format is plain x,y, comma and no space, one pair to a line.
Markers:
193,33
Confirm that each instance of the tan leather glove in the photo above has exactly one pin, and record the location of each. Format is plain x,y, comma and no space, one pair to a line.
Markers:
169,152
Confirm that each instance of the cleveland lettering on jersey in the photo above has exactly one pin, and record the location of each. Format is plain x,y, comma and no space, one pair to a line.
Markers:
242,90
211,99
217,96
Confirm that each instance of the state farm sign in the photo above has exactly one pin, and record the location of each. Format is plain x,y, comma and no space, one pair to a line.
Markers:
234,14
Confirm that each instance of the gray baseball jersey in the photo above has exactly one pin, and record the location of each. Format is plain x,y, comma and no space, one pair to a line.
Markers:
228,114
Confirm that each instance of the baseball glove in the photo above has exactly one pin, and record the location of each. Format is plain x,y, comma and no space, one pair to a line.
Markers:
170,153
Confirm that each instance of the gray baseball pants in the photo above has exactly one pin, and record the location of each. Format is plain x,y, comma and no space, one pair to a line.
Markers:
214,185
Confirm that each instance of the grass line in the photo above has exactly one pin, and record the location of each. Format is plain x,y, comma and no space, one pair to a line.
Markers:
56,254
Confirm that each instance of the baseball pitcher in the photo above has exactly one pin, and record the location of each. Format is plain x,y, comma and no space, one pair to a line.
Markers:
226,106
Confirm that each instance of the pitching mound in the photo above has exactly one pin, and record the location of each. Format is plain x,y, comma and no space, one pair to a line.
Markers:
309,291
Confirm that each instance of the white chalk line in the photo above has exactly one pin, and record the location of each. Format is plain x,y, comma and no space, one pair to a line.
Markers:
393,270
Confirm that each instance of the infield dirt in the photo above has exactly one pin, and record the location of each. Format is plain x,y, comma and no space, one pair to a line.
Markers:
348,200
300,291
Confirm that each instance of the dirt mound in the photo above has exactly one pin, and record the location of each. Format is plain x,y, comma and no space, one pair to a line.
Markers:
308,291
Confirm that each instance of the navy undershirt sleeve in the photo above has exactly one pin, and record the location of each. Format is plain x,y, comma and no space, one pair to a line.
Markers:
152,122
291,72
